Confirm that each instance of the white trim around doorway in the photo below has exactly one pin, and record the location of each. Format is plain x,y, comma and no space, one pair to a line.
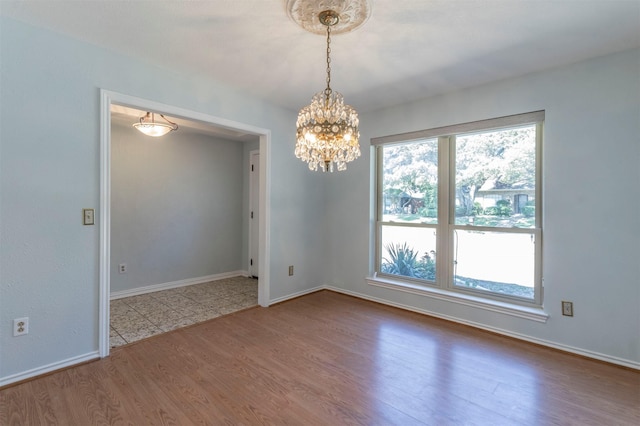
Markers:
107,98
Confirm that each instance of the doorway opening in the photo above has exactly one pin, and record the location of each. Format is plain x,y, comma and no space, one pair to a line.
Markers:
111,100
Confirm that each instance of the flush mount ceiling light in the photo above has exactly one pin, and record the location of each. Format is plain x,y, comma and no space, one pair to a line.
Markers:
149,127
327,129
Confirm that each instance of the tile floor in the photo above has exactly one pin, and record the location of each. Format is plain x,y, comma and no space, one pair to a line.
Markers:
138,317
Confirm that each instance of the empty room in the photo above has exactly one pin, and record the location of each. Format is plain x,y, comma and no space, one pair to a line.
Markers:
320,212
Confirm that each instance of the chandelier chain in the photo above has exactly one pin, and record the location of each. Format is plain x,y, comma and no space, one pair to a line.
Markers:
327,91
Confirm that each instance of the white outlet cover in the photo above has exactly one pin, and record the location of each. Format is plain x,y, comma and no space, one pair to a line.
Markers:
21,326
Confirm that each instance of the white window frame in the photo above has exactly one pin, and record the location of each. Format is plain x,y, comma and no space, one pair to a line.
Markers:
443,287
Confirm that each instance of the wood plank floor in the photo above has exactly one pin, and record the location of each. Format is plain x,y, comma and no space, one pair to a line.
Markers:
329,359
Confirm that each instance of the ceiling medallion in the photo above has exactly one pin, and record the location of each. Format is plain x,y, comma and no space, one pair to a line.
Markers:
352,14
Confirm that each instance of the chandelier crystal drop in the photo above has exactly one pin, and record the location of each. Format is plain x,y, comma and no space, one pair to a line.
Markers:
327,129
327,136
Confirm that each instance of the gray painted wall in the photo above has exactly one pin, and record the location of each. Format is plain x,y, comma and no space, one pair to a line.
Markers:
50,170
321,223
176,207
591,200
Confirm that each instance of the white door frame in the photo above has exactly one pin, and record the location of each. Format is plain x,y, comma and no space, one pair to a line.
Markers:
107,98
254,224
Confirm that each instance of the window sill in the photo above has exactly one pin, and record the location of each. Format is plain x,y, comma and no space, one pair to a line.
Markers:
533,314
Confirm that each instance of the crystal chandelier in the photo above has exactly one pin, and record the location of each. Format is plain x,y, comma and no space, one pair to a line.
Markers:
150,127
327,129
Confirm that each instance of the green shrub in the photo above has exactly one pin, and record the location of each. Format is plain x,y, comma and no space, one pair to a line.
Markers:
529,211
428,212
477,209
504,208
403,260
491,211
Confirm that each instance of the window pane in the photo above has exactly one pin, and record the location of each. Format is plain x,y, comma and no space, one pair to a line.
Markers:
410,182
496,262
408,251
495,178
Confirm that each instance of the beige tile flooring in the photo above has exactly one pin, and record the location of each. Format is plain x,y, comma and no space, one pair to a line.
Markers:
138,317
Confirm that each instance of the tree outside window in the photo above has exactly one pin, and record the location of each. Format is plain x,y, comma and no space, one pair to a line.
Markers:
475,230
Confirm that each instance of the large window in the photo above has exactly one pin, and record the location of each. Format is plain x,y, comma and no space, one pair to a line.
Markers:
458,208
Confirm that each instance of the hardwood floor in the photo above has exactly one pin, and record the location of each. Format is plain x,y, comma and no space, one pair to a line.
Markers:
329,359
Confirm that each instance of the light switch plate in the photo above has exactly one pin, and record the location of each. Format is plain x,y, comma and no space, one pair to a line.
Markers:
88,216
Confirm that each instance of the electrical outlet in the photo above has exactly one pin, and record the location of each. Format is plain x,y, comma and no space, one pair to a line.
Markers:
567,309
122,268
20,326
290,270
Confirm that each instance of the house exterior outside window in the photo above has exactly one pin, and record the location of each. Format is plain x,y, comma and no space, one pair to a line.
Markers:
459,209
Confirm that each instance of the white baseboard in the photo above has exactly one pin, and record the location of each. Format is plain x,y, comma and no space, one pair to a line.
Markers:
175,284
542,342
95,355
49,368
298,294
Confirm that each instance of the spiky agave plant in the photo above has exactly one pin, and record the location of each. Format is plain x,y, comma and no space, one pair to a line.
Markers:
402,260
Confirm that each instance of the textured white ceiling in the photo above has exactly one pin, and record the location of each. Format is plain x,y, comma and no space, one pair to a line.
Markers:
408,49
